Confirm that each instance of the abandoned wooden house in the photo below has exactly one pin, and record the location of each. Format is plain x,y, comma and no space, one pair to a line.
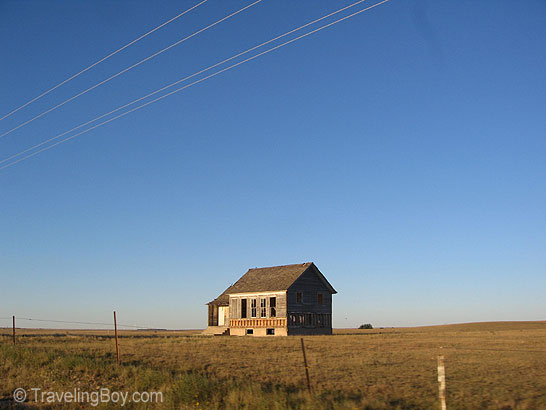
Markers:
275,301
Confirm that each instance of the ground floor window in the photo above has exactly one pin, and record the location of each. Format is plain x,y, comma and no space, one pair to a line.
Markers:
273,306
310,319
263,309
270,331
250,331
252,307
243,308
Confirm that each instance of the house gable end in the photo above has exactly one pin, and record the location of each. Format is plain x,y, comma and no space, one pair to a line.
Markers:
310,294
308,274
311,279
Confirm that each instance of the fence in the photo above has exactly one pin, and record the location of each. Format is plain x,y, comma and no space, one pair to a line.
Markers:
306,374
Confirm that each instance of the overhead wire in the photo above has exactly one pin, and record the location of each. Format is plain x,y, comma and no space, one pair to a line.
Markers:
83,323
194,83
181,80
102,60
191,84
128,69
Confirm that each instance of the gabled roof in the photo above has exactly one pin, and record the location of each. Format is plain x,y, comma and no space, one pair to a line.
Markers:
272,279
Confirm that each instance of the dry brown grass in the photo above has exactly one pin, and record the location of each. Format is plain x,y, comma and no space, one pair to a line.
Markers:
488,365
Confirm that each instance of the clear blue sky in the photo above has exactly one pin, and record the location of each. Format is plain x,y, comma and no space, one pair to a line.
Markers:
403,151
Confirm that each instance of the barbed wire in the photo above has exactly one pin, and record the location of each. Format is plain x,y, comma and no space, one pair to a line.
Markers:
74,322
493,350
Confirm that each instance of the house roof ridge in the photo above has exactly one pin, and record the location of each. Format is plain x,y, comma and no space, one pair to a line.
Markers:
283,266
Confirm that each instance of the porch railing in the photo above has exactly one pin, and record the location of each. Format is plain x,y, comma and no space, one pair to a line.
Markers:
264,322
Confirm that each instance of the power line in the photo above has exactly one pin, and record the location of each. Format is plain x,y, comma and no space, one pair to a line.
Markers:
179,81
194,83
127,69
102,59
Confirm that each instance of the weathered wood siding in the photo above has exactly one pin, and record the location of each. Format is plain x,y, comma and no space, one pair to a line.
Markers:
308,316
310,285
234,308
281,305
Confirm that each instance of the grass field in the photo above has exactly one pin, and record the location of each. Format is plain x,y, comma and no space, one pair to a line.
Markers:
499,365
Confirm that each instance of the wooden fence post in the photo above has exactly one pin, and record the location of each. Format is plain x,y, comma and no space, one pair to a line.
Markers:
14,330
306,367
442,382
116,336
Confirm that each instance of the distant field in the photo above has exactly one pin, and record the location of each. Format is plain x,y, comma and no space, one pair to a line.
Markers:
498,365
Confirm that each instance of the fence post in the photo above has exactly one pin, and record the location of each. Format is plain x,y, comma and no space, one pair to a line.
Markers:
14,330
306,367
116,336
442,382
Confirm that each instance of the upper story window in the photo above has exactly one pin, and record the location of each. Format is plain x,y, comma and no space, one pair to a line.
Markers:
263,309
299,297
319,298
273,307
252,307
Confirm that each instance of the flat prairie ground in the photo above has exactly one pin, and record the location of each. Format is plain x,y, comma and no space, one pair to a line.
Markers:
497,365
